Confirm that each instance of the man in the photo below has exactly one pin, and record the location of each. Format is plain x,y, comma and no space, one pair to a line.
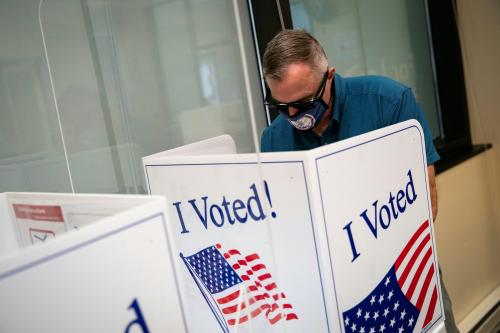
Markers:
318,106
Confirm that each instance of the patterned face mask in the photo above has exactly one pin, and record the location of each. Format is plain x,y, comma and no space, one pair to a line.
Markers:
309,118
310,111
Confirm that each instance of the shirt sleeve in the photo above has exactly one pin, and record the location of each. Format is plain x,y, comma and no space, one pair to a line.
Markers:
405,108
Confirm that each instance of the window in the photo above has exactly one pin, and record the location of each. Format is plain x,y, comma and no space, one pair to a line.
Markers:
415,42
130,78
386,38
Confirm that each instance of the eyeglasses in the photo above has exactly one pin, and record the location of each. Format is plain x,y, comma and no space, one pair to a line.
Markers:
300,105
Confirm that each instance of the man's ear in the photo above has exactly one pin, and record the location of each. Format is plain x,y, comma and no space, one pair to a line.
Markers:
331,72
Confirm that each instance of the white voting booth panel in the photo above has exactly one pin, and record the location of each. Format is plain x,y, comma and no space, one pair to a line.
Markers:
86,263
335,239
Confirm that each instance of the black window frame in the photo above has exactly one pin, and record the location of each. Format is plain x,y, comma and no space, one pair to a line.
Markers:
455,143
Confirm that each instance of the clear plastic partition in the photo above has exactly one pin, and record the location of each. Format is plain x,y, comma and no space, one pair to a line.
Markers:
177,83
31,149
134,78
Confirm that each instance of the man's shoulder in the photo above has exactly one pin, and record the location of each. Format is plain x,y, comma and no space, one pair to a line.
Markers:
277,136
374,85
279,125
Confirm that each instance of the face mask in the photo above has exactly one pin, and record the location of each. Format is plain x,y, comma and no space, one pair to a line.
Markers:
309,118
310,112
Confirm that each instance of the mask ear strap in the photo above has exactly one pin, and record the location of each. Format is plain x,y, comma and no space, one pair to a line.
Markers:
268,92
332,90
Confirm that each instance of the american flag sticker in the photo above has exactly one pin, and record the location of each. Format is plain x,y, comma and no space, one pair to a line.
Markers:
238,288
406,299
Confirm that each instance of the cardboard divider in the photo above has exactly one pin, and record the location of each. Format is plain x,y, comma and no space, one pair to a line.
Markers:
341,236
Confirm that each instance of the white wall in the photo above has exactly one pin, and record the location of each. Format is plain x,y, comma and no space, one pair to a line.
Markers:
467,234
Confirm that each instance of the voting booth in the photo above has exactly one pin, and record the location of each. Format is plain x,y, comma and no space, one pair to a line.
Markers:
335,239
86,263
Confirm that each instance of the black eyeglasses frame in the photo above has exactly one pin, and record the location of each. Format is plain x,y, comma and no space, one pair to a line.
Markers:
300,105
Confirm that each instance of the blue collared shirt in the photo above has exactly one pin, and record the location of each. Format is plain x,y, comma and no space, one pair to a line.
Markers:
361,104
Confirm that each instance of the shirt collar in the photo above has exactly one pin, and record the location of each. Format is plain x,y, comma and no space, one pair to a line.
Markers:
338,102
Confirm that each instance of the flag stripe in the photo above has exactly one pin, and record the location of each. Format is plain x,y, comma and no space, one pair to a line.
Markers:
271,308
425,287
252,300
252,257
275,319
228,298
432,305
271,286
278,296
261,296
255,313
257,267
234,308
252,288
410,243
239,321
417,274
264,277
413,258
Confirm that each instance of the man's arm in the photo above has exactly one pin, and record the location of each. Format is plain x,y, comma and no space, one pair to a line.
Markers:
433,189
408,108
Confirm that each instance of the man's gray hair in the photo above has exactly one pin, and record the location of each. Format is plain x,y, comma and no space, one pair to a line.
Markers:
289,47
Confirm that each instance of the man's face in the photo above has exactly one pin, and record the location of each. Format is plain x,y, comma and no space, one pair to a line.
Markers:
300,83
